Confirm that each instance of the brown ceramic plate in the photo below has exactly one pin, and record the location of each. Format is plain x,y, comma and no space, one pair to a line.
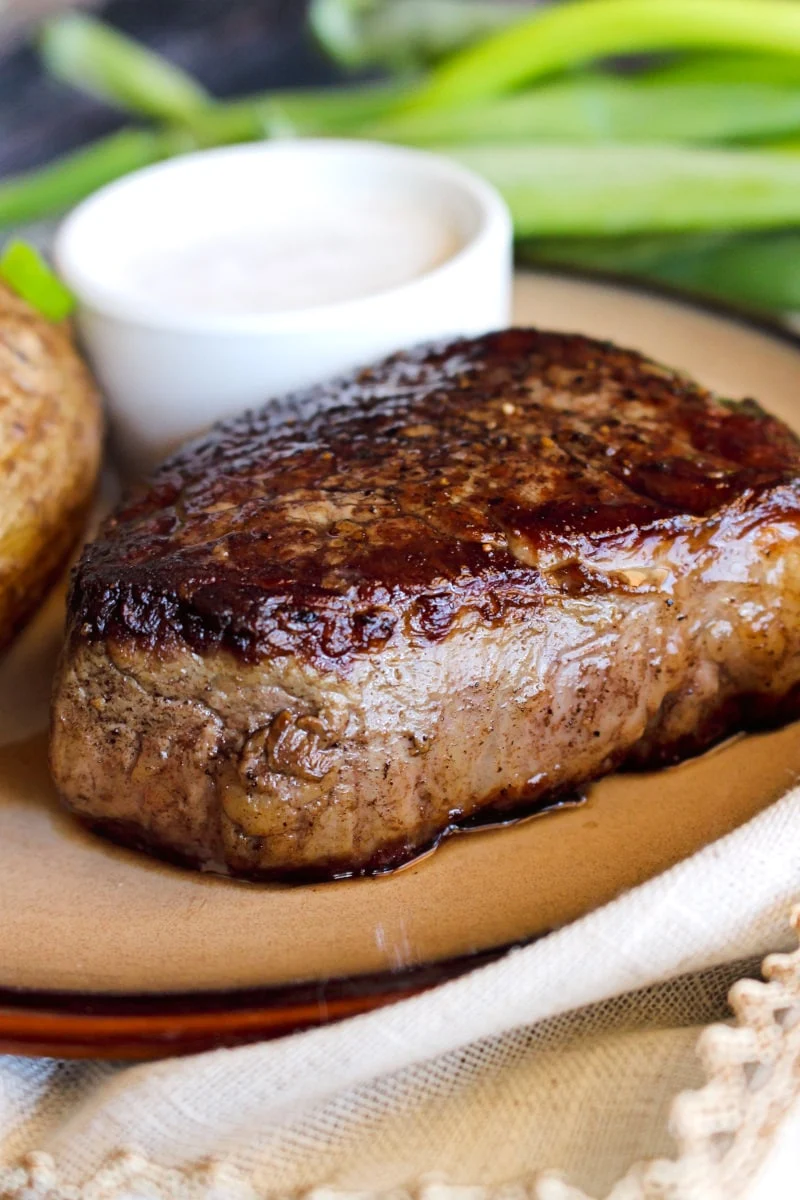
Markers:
104,952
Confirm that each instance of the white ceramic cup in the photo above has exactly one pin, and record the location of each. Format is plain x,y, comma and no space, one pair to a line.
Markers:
169,373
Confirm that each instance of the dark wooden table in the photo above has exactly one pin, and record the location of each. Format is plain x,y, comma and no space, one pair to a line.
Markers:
232,46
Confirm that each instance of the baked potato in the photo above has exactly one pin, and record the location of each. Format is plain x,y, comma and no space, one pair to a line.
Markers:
50,446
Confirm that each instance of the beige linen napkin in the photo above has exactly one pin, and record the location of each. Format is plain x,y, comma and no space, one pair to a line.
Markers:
565,1057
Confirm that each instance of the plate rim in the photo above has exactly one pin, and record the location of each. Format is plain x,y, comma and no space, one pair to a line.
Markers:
148,1025
145,1025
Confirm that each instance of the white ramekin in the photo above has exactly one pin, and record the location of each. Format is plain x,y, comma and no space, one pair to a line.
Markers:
168,375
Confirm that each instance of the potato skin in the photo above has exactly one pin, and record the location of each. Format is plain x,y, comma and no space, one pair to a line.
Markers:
51,434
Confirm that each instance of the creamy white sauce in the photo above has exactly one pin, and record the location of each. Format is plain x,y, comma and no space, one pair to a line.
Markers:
296,261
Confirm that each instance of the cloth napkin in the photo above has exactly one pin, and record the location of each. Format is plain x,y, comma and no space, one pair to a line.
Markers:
547,1074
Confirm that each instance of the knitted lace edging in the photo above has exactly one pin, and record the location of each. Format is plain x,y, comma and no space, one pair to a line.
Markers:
724,1131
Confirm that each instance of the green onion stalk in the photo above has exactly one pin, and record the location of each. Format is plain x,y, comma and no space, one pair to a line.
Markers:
570,35
64,182
556,191
686,171
756,271
606,110
24,270
79,50
404,35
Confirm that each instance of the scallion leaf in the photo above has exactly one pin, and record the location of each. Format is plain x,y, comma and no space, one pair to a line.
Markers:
65,181
24,270
590,191
90,55
607,109
726,68
567,35
756,270
404,34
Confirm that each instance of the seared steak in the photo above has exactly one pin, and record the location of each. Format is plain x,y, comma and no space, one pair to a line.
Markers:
461,582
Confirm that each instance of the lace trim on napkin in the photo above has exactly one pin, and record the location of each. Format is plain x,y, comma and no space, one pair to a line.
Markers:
724,1131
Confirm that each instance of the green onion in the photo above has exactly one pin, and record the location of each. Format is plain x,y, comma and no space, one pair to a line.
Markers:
756,270
599,172
788,145
605,110
577,32
639,254
403,34
67,180
726,68
98,59
27,274
761,272
52,189
605,190
282,114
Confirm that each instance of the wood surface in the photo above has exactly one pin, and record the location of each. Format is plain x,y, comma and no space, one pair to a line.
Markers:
232,46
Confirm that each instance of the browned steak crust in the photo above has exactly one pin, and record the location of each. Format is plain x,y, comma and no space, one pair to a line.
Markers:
432,516
439,479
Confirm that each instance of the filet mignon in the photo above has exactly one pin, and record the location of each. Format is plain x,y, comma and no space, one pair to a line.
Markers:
458,583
